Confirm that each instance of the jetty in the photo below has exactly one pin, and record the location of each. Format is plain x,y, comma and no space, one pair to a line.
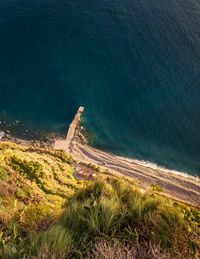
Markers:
73,125
65,143
175,186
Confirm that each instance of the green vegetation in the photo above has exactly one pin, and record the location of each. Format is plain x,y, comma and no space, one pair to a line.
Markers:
20,193
3,174
34,185
107,172
94,167
156,187
113,213
46,213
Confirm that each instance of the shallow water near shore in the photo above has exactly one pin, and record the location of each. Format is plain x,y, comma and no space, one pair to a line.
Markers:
133,65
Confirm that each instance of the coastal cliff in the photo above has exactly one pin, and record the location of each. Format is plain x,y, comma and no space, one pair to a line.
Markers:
66,200
54,206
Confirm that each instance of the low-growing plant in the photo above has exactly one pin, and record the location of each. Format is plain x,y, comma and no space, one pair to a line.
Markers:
108,173
94,167
81,182
190,214
3,174
114,211
32,170
24,191
104,249
156,187
20,193
33,213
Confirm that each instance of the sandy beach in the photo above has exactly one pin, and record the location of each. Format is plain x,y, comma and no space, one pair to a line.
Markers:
178,187
184,189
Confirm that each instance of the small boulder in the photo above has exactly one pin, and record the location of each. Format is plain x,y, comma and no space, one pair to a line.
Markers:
2,134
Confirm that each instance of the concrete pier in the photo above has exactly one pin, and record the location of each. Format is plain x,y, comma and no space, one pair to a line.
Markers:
65,144
73,125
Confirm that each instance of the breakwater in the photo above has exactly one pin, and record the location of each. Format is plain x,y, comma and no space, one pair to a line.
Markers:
65,144
73,125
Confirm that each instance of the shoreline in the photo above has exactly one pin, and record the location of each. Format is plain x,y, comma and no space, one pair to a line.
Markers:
155,166
144,163
178,186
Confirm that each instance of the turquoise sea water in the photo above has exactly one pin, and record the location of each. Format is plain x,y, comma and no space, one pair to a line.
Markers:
133,64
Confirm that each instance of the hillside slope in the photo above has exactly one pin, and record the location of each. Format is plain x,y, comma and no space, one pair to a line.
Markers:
46,213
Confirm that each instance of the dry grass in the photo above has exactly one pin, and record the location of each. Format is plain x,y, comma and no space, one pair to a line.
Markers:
47,253
105,250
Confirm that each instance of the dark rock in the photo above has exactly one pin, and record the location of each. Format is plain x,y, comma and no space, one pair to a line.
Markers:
2,134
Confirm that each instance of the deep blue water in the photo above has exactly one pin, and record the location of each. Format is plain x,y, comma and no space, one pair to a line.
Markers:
133,64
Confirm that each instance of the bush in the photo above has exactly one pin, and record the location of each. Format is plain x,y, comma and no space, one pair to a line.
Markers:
33,214
156,187
20,193
81,182
94,167
3,174
31,169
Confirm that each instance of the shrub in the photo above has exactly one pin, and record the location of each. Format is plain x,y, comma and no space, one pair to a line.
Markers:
33,214
171,230
156,187
81,182
94,167
190,214
20,193
3,174
31,169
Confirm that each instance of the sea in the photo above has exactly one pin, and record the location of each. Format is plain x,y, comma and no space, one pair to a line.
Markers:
133,64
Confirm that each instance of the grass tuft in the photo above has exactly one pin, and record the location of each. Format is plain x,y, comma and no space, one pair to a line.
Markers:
115,213
3,174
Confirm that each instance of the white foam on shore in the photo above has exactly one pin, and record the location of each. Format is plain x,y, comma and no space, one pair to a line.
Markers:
155,166
160,168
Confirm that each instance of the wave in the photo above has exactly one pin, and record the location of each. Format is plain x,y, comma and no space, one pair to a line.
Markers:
82,133
155,166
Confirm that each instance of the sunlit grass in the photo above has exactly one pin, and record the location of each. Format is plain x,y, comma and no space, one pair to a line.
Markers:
43,214
115,212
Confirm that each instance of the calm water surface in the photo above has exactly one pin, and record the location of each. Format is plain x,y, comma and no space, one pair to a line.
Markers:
134,65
